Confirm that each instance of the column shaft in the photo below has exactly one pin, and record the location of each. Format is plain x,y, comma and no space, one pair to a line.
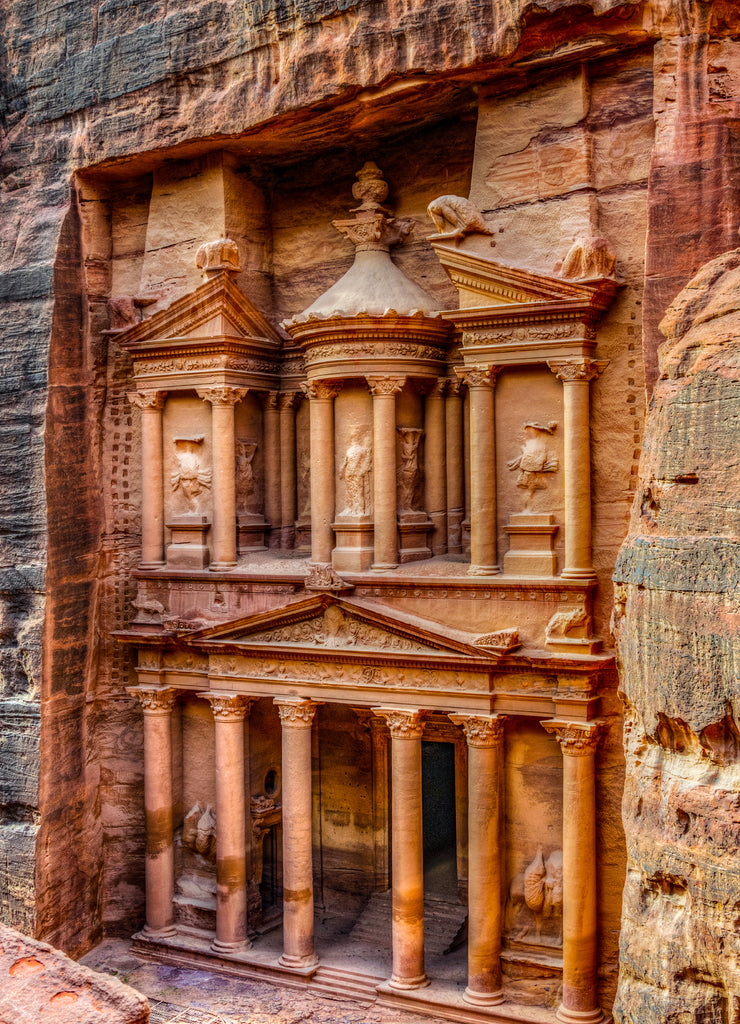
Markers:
231,822
407,841
482,472
384,390
485,856
455,466
298,939
223,400
321,413
152,478
435,466
159,864
287,470
580,998
271,430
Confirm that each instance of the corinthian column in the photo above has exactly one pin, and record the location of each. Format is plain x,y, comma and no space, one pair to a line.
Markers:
481,382
157,704
578,742
384,391
229,711
151,404
223,400
455,463
321,395
271,438
576,375
435,472
484,734
288,401
296,716
406,727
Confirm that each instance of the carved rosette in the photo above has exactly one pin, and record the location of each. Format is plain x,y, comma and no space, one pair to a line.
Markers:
229,707
296,714
154,700
576,739
385,387
403,724
222,395
147,399
321,390
478,376
570,370
481,730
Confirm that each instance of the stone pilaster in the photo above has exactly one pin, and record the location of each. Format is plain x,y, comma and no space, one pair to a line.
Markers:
384,391
151,404
288,482
481,381
435,465
455,465
321,395
271,439
223,400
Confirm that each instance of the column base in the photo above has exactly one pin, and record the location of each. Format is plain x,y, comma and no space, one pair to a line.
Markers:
405,984
221,566
483,570
152,565
383,566
580,1016
483,998
578,574
230,947
299,963
168,932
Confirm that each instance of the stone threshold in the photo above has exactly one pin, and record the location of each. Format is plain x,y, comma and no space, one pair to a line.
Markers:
438,999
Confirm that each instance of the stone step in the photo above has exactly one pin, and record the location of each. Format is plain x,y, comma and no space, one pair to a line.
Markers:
442,923
340,983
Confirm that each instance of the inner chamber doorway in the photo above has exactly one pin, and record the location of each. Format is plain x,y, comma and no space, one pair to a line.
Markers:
439,828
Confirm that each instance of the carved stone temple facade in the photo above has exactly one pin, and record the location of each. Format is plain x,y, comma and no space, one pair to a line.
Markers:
381,737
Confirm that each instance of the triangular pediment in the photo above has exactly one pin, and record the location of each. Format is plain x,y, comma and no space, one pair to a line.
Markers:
482,281
332,624
218,308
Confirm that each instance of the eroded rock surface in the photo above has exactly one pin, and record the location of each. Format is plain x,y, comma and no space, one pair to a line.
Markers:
678,627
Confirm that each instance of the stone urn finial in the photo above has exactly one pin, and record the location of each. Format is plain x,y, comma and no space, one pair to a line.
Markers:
215,257
370,189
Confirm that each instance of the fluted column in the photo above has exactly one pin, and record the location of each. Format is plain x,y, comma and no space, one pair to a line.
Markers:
157,704
229,711
288,402
321,395
481,382
296,716
484,734
455,465
578,742
576,376
407,840
151,404
384,391
271,438
435,471
223,400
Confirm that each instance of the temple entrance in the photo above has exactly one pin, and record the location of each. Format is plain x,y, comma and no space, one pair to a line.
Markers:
438,804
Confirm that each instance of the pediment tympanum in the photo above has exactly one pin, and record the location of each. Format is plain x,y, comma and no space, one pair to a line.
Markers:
214,334
331,625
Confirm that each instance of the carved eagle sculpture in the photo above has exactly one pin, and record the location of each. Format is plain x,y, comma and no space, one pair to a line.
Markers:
455,216
543,888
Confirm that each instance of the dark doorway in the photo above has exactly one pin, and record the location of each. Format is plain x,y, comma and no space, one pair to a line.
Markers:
438,803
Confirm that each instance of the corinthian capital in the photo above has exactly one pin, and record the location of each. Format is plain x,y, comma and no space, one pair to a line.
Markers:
222,395
147,399
228,707
385,385
481,730
322,390
404,723
478,376
155,700
576,739
568,370
294,712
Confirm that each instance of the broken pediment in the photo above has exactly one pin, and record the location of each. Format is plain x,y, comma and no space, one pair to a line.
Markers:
482,281
327,623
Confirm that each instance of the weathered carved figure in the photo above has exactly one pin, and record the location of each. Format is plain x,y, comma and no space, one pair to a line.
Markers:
536,897
455,217
409,470
355,472
246,492
190,477
535,459
588,258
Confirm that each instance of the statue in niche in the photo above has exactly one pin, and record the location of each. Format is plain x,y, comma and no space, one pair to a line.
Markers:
199,831
409,469
190,479
535,903
455,217
246,490
355,472
535,459
304,487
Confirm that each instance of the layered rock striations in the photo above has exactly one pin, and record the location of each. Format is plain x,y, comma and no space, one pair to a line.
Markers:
677,623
